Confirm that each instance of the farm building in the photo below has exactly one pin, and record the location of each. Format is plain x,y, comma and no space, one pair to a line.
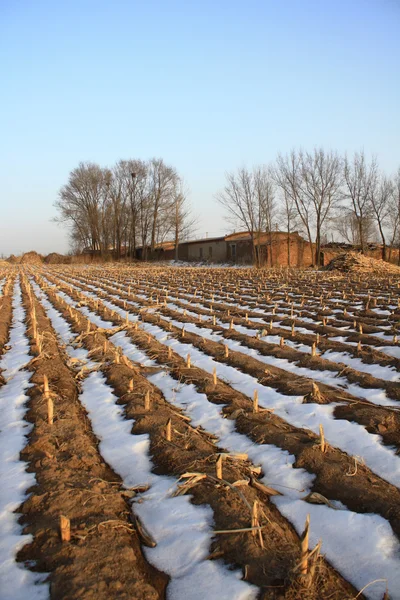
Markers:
206,250
277,248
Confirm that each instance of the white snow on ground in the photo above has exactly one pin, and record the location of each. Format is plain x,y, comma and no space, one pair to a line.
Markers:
378,371
376,557
363,367
375,395
382,372
343,340
183,531
121,340
348,436
266,314
382,548
391,350
16,582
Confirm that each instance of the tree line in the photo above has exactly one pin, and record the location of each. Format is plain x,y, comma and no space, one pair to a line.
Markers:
138,204
315,193
135,204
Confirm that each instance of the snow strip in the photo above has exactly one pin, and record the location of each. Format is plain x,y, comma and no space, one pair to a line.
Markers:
348,436
183,531
341,530
16,582
381,372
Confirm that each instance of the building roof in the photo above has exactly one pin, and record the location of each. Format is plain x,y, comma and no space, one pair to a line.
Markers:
204,240
262,236
239,236
165,246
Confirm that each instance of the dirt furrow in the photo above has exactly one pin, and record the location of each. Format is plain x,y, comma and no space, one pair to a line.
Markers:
338,475
5,314
365,380
270,567
377,419
104,557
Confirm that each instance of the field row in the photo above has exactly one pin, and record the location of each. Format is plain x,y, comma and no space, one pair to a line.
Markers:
207,430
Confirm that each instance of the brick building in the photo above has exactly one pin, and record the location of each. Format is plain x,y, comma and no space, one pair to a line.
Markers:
275,248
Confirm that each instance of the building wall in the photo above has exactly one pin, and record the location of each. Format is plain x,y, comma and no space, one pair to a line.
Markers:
274,254
307,254
240,252
207,251
300,252
394,256
279,252
183,251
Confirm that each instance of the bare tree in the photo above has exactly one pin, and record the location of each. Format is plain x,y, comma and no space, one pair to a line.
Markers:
181,220
248,201
162,180
264,189
289,218
380,198
288,176
321,181
81,203
394,216
117,204
132,175
111,210
360,179
347,226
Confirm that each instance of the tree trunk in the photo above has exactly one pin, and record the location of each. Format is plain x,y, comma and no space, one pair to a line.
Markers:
271,262
176,243
311,249
361,234
318,250
256,258
134,242
383,240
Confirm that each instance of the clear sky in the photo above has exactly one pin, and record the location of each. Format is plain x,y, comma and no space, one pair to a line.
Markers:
208,86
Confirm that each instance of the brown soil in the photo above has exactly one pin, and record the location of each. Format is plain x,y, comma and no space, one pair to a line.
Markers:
5,315
104,558
320,303
331,468
193,450
287,382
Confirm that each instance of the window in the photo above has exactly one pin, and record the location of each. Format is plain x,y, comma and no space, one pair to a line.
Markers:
210,252
233,252
201,252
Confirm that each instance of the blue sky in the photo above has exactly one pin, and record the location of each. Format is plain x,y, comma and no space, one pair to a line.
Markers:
207,85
